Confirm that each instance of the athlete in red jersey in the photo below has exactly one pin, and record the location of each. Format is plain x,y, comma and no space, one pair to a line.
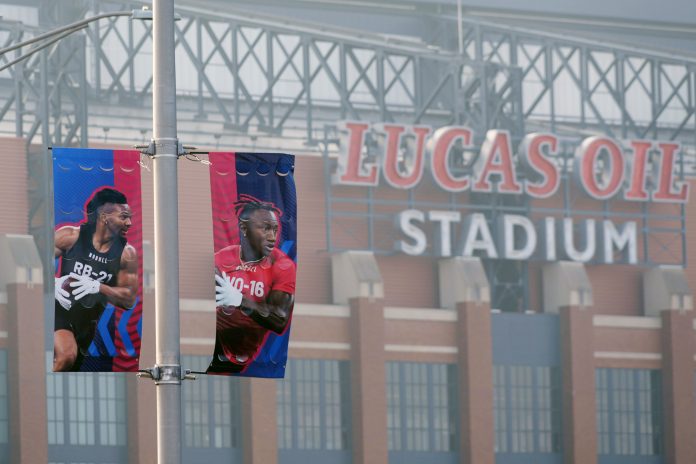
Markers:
255,288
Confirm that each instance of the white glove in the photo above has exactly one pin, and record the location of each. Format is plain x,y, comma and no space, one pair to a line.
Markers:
62,296
225,293
83,285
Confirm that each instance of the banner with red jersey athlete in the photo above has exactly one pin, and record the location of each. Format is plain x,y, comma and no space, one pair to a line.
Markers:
255,240
98,251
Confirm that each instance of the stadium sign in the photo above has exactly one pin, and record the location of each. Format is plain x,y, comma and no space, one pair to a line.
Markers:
518,237
603,168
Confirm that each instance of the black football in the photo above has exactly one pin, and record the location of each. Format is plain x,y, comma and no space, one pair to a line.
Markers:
87,301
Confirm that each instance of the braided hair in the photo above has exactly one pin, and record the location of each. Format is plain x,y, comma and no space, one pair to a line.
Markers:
247,204
99,199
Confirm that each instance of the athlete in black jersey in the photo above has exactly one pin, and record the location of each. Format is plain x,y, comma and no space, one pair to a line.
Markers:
99,267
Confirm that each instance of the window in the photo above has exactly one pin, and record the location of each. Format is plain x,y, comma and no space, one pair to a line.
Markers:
210,408
421,407
314,406
527,409
86,415
629,412
86,409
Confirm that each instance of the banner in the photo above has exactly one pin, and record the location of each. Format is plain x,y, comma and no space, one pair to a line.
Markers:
255,229
98,251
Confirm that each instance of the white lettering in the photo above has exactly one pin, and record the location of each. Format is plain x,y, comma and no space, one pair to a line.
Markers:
477,236
508,239
517,237
587,239
613,237
445,218
99,259
550,238
405,221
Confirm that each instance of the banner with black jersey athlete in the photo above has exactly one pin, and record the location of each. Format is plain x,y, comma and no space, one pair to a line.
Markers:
98,251
255,238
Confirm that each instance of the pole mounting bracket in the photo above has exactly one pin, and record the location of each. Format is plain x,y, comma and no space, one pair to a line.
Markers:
166,374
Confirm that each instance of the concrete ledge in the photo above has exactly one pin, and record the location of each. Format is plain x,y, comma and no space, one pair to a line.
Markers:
420,314
565,283
301,309
197,305
20,259
320,310
462,280
627,355
355,274
627,322
319,345
432,349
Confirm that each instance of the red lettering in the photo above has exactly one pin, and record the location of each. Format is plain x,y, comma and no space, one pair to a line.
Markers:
666,183
611,176
637,190
439,160
390,165
599,163
537,164
350,159
496,157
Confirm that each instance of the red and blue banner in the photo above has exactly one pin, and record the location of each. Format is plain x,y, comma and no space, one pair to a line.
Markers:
98,251
254,206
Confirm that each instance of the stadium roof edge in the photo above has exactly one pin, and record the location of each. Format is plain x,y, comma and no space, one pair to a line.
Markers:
411,46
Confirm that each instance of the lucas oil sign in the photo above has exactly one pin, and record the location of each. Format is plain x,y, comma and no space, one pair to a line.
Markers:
601,169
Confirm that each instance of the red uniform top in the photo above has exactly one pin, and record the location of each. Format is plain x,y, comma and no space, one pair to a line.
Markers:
239,335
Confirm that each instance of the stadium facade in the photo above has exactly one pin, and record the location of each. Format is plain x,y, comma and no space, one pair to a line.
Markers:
468,289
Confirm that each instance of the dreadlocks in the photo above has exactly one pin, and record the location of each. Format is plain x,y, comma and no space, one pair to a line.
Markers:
103,196
248,204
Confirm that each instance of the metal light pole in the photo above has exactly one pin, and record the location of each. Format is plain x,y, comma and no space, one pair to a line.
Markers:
164,150
460,26
167,360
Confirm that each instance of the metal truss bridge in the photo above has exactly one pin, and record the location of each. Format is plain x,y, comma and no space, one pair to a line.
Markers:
240,74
